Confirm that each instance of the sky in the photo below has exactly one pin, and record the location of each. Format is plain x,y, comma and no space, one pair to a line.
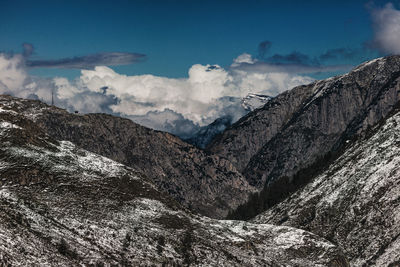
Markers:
179,65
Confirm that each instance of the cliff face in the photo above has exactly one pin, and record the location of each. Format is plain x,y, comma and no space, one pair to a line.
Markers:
286,136
61,205
240,142
355,202
204,183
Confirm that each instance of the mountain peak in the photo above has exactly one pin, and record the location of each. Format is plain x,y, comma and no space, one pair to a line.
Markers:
253,101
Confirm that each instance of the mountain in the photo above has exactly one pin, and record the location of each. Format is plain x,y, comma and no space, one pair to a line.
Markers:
204,183
309,123
62,205
355,201
314,172
253,101
240,142
207,133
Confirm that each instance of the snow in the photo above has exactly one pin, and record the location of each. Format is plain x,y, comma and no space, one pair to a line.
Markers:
89,165
320,87
8,125
5,126
360,67
7,111
361,185
254,101
83,204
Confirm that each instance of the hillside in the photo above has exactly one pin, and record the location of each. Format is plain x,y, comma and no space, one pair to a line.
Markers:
65,206
355,201
204,183
304,125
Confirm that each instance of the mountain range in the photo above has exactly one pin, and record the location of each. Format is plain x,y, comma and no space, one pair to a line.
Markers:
308,179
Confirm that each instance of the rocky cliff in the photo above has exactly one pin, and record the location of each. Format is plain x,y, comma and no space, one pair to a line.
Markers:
61,205
305,124
240,142
355,201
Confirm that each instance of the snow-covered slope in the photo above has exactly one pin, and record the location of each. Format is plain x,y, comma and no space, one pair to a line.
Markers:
64,206
254,101
355,203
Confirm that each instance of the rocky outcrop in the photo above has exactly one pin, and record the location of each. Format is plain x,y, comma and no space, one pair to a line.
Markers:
355,202
286,136
204,183
77,208
240,142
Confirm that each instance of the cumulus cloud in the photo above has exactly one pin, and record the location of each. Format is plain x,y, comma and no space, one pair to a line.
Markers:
88,61
180,106
12,73
386,25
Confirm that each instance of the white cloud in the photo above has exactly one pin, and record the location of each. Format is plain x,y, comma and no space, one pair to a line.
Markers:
386,22
12,75
176,105
243,58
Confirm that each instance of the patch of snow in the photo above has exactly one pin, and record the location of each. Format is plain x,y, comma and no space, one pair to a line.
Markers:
360,67
7,111
254,101
8,125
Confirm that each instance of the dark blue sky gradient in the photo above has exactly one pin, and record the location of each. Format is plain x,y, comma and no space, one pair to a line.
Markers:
177,34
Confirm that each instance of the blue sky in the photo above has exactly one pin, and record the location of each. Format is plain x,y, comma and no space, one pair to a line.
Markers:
174,35
200,57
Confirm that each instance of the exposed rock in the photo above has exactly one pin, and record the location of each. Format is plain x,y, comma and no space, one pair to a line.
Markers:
300,126
355,203
240,142
93,211
205,183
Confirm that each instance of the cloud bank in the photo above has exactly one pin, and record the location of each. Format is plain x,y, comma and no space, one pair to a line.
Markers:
180,106
386,25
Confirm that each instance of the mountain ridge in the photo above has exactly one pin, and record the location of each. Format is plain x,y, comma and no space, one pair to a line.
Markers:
318,118
62,205
354,201
165,159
